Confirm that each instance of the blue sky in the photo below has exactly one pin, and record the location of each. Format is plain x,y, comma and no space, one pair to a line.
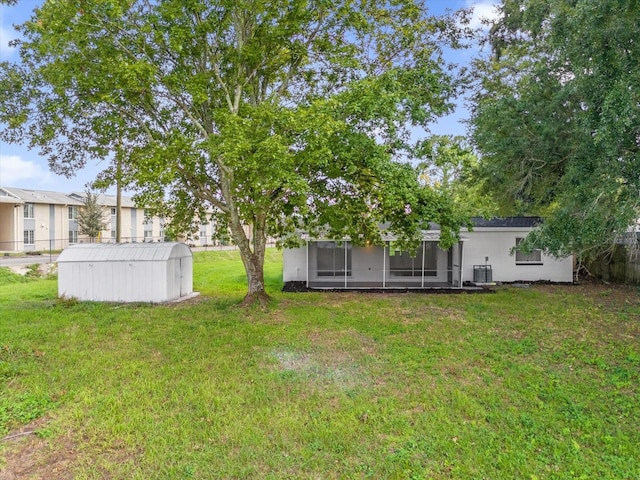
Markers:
22,168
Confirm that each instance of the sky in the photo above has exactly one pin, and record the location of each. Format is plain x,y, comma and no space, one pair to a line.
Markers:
24,168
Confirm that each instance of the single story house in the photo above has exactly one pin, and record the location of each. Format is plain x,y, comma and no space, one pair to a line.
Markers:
488,253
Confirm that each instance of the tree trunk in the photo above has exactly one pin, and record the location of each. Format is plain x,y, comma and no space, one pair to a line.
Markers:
253,260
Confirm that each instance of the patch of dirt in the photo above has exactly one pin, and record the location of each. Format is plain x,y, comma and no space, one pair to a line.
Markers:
329,361
40,270
29,457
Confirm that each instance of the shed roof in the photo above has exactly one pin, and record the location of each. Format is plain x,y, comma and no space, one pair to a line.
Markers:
124,252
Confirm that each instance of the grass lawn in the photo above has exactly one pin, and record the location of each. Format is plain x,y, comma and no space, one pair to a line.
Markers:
538,383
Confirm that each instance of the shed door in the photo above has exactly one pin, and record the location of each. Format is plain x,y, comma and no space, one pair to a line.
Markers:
186,276
181,276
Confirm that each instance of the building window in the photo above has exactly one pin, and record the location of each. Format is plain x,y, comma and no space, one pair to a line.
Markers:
148,236
113,235
330,259
533,258
73,212
73,236
402,264
28,210
29,237
113,210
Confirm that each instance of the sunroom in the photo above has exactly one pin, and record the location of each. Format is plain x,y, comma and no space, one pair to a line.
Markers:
340,264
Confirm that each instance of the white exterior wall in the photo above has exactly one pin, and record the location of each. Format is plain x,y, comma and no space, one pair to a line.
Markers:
496,243
294,264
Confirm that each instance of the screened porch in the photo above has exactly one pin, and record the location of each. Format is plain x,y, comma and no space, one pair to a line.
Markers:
339,264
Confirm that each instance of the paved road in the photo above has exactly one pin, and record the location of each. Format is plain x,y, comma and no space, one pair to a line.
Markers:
27,260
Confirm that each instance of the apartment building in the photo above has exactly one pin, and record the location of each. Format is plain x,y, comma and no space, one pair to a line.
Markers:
137,225
37,220
33,220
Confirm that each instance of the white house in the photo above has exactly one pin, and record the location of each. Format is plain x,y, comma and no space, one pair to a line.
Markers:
487,253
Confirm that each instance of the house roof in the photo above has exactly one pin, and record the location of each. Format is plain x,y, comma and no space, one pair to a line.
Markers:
506,222
42,196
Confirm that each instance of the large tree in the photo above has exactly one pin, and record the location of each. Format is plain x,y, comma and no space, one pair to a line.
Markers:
280,115
557,118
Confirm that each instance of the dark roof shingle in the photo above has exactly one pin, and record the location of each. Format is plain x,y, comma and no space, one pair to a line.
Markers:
506,222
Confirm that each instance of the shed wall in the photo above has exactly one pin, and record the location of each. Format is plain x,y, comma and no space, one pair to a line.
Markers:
160,275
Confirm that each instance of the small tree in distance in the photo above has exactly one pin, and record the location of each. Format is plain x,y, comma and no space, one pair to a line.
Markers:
91,218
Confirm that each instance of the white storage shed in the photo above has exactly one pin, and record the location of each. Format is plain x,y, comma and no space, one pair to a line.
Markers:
129,272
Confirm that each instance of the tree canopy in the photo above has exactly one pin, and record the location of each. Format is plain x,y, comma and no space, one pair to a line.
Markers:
557,118
281,115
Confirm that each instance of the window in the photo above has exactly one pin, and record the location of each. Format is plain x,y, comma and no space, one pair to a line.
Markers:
330,259
28,210
73,236
29,237
73,213
402,264
148,236
533,258
113,210
113,235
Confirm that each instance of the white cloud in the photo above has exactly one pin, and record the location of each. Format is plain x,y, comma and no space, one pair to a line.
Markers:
482,10
14,172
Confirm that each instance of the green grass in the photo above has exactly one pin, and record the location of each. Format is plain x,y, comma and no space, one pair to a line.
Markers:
540,383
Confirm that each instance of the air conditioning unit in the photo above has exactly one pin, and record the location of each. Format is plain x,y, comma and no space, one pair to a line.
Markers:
482,274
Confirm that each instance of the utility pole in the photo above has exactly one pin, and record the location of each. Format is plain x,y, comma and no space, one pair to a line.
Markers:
118,196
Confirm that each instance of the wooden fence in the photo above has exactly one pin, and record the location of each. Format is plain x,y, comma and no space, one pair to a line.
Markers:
622,265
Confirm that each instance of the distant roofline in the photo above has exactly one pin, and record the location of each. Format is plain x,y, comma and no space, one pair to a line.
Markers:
506,222
49,197
31,195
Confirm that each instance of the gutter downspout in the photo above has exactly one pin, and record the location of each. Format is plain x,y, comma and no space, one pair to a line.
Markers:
384,265
423,252
461,264
345,264
307,246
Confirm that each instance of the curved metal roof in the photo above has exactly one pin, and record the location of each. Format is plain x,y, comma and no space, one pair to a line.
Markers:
124,252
